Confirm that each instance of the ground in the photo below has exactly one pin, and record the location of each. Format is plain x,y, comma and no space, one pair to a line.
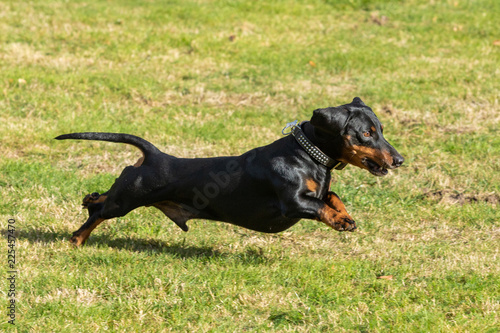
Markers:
208,78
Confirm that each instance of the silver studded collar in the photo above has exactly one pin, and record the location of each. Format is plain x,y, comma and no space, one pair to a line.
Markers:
310,148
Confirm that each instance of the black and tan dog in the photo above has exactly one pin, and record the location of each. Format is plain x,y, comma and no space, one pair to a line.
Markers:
267,189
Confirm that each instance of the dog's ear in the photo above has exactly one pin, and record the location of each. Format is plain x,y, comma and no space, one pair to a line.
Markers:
331,120
358,100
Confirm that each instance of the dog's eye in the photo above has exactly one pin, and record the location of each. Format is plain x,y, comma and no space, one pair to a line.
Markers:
367,134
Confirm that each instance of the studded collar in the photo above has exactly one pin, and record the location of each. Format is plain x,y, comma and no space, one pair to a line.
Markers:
311,149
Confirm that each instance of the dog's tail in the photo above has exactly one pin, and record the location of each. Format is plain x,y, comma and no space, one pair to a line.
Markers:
146,147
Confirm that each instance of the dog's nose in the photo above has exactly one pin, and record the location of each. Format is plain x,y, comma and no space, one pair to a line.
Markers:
397,161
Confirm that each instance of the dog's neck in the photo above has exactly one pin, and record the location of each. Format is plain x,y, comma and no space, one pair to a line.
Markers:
331,146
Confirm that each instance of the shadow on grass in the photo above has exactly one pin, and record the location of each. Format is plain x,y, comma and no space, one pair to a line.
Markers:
151,246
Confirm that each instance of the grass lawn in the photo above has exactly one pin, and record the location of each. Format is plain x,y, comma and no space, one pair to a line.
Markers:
206,78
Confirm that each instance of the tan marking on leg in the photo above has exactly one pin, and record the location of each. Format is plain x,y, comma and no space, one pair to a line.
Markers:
335,215
102,198
335,220
88,200
79,238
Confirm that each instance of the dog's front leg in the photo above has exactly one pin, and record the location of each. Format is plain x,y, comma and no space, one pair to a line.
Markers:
335,215
330,210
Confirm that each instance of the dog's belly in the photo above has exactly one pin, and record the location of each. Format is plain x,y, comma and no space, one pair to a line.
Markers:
267,226
254,205
229,189
262,216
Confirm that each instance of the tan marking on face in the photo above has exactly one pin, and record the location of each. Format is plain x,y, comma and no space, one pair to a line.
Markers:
311,185
367,152
373,129
387,157
355,154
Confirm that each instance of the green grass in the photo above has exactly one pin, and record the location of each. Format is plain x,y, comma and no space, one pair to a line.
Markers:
208,78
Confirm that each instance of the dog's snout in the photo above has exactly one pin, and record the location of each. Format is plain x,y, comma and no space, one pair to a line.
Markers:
397,161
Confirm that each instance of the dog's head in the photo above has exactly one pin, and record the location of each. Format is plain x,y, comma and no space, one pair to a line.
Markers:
353,133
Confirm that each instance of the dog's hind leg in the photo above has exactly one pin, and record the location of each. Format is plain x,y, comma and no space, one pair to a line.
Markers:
96,205
80,236
93,198
93,202
99,212
105,207
127,193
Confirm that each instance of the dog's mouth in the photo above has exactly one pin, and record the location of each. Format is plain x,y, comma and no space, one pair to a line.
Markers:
374,167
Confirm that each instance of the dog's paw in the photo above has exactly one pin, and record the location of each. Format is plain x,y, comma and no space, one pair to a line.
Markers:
344,224
76,240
